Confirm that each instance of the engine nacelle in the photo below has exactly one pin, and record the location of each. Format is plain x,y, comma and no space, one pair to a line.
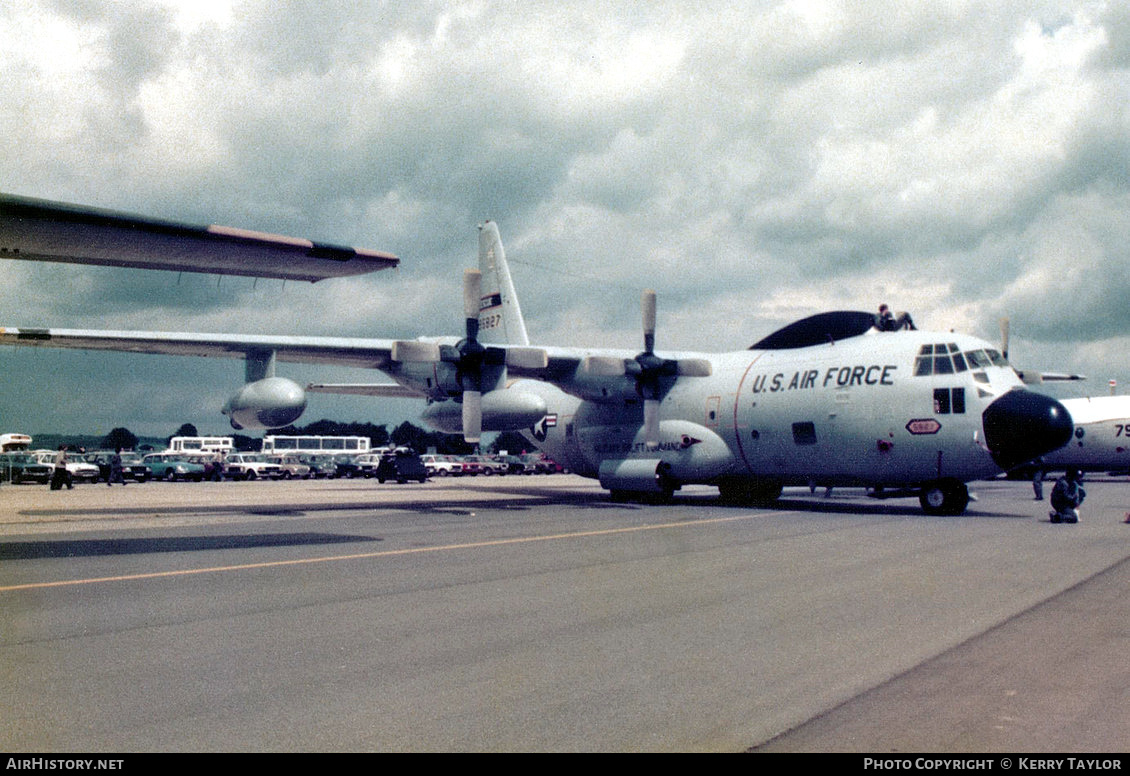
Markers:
268,403
637,475
502,411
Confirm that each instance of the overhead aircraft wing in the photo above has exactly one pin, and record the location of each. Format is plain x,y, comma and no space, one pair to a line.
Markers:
340,351
39,230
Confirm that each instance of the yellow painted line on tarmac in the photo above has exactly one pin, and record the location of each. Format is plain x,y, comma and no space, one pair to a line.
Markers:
379,554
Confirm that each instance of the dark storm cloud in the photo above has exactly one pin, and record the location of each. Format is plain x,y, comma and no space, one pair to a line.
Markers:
754,161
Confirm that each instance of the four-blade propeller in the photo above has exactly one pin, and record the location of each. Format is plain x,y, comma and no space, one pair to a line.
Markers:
648,370
478,368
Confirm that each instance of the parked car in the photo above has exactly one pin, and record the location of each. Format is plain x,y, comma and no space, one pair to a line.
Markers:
536,463
344,466
250,466
79,469
319,465
133,467
487,464
401,465
471,466
23,467
367,464
173,466
292,468
442,465
513,463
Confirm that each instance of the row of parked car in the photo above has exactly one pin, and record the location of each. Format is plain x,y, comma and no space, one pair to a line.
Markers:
488,465
401,464
39,465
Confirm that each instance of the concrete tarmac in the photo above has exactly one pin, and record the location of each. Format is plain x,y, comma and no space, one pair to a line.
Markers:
531,614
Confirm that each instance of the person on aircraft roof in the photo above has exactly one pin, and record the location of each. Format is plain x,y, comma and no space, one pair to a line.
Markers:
888,321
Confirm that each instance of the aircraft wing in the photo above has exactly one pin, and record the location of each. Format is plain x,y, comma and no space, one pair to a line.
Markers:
339,351
560,363
565,367
1049,377
596,374
385,390
39,230
1039,378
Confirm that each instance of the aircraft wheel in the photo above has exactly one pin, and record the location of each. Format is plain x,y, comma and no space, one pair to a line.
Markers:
944,497
758,493
665,496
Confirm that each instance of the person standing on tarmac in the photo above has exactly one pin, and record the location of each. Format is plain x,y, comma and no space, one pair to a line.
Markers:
116,469
60,476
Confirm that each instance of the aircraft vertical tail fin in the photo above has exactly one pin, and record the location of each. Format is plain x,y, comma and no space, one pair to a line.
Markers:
500,317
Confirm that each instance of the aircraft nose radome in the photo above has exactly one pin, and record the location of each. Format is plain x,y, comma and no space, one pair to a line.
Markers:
1022,425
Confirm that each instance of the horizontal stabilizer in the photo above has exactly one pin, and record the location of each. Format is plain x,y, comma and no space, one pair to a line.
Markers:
38,230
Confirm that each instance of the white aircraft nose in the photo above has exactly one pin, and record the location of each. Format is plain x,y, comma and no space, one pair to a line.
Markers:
1022,425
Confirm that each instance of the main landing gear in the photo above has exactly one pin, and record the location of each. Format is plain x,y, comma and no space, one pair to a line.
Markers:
752,493
944,497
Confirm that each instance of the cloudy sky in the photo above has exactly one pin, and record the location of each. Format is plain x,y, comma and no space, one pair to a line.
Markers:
753,162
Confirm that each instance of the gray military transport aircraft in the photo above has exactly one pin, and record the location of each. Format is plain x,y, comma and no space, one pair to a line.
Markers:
1101,442
829,400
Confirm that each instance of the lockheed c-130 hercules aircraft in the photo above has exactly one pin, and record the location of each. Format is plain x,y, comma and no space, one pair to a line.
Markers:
829,400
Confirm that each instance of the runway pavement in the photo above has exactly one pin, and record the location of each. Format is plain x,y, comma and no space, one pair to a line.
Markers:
530,613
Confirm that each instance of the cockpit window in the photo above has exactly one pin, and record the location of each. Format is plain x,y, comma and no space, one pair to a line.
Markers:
977,359
946,359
